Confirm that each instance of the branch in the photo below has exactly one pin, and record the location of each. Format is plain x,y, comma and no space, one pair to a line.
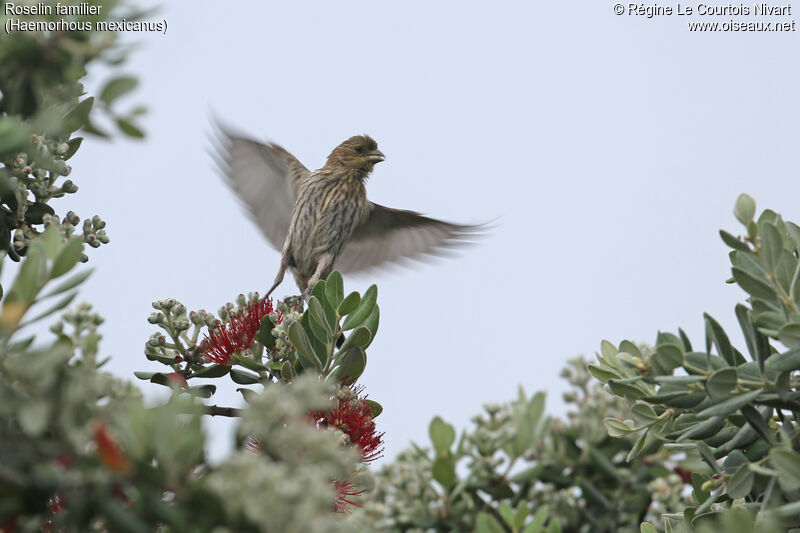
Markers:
215,410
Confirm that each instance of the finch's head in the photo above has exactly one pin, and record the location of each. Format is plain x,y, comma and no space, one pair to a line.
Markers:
359,153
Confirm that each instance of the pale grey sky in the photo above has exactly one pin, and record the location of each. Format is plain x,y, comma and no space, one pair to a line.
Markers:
611,147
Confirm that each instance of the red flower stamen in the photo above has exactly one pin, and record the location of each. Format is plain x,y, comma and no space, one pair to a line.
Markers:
344,491
352,416
237,335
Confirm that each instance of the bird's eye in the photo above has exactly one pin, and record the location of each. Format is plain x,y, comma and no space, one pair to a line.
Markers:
359,149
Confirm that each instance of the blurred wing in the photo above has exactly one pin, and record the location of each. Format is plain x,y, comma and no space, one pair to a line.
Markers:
265,177
391,235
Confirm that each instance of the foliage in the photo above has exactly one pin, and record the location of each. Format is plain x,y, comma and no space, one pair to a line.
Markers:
81,450
284,342
739,416
517,470
42,106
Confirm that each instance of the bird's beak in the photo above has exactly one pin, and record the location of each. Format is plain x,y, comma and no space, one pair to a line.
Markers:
375,156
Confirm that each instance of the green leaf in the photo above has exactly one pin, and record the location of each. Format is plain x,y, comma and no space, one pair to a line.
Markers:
442,434
787,463
602,374
708,457
50,239
318,338
61,304
353,364
643,413
785,362
117,87
79,115
144,375
730,405
637,447
647,527
213,371
753,285
301,343
73,144
318,314
161,359
31,276
757,344
721,383
507,513
486,523
520,515
721,341
203,391
244,378
68,258
374,407
129,129
733,242
537,525
789,335
287,371
745,209
754,418
554,526
444,471
741,483
371,323
69,283
608,349
359,337
35,213
360,315
264,335
617,428
771,246
669,356
249,363
334,288
629,392
349,304
704,429
630,348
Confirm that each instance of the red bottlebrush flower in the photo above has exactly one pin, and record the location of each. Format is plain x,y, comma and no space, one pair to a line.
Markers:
237,335
108,449
352,416
344,491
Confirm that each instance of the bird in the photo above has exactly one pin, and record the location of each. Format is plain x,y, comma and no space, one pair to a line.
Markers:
322,220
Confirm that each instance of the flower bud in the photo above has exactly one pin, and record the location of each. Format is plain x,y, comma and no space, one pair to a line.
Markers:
155,318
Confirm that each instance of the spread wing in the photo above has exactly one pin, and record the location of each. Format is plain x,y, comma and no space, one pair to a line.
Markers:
392,235
265,177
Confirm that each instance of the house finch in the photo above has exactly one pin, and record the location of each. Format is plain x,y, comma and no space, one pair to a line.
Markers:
322,219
